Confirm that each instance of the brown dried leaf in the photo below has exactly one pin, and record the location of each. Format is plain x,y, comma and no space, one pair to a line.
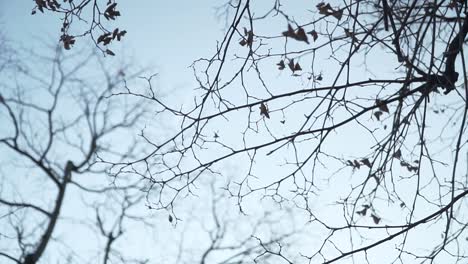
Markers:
363,212
301,35
377,114
40,5
382,105
412,168
121,34
290,32
338,14
250,36
110,52
314,34
397,154
324,9
376,219
114,34
111,7
103,38
357,164
281,65
106,41
291,65
350,34
110,12
297,67
68,41
264,110
366,162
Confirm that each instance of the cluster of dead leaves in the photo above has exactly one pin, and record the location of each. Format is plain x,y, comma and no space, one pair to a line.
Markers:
326,9
352,35
407,165
300,34
111,12
50,4
374,216
106,38
357,164
67,40
382,108
247,39
291,65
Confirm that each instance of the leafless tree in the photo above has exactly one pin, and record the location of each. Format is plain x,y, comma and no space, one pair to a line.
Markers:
62,122
224,236
352,111
56,122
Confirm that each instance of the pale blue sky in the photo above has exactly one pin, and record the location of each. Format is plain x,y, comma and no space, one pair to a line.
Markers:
167,36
